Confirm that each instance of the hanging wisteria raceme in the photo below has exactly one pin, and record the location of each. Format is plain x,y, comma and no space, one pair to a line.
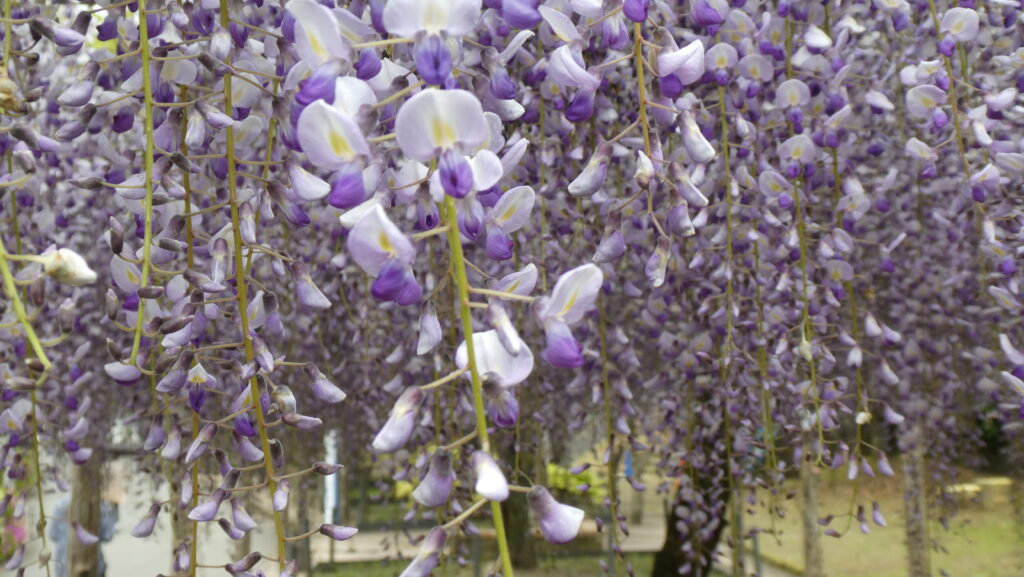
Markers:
735,241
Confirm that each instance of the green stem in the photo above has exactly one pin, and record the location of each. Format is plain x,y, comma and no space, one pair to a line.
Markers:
734,511
806,327
613,461
458,264
147,240
242,296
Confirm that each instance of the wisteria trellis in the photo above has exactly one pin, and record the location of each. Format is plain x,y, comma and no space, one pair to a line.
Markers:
758,232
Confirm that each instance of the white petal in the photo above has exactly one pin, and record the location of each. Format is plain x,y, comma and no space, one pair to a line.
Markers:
564,69
690,56
721,55
490,481
919,150
512,211
513,155
351,94
520,282
487,169
494,361
329,137
435,120
319,39
961,24
1012,354
513,47
407,18
575,294
817,39
878,100
921,100
178,71
374,239
305,185
560,24
792,92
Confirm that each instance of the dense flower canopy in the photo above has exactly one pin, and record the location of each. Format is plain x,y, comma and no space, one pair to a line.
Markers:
734,237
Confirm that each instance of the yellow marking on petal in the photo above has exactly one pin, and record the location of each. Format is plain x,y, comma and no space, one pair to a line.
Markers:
798,152
722,61
927,102
316,46
339,145
443,133
571,303
132,276
508,213
385,243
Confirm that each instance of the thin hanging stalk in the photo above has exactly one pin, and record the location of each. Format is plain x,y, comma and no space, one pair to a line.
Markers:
37,348
734,510
461,285
147,237
613,460
190,258
242,296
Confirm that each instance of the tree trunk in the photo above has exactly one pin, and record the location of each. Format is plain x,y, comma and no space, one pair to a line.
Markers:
672,560
305,548
86,497
516,511
814,558
915,501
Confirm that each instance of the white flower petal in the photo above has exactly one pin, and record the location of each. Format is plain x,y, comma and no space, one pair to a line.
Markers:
329,138
318,39
375,239
512,211
575,294
435,120
494,362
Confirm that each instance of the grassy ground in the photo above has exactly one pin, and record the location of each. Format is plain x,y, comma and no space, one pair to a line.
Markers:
560,567
981,540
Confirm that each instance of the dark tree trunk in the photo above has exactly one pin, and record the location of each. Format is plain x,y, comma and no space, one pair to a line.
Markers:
672,558
516,510
814,559
86,497
915,500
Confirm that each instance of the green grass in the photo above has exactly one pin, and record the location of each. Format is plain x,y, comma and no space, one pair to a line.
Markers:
981,540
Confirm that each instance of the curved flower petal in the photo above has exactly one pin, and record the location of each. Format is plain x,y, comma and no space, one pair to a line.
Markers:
490,481
351,94
318,39
560,24
961,24
329,137
435,120
574,295
687,63
566,69
375,240
512,211
520,283
921,100
407,18
494,362
558,522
